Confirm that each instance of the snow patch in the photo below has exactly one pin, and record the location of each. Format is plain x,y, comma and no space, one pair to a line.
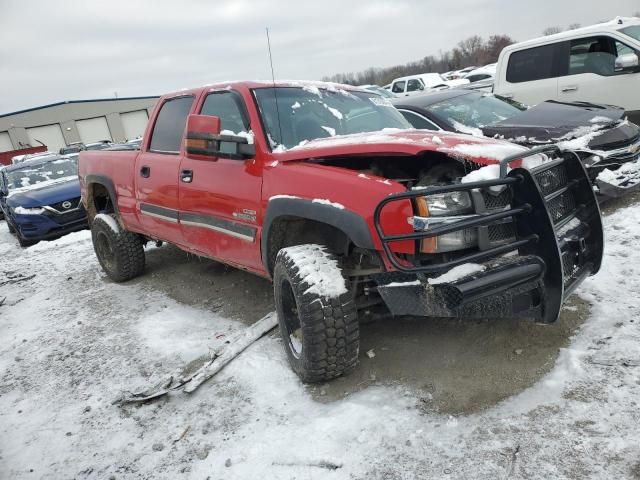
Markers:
476,132
282,196
456,273
493,151
329,130
109,220
318,270
324,201
248,135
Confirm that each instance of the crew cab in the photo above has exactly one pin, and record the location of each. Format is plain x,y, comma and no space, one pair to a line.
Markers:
596,64
328,191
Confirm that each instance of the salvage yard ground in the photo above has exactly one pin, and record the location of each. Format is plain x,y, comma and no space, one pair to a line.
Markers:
433,399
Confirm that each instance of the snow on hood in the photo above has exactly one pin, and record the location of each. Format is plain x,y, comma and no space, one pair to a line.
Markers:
480,150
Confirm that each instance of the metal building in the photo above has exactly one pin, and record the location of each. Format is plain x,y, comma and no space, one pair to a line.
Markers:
59,124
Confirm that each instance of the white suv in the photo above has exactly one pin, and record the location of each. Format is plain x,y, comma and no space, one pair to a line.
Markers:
597,64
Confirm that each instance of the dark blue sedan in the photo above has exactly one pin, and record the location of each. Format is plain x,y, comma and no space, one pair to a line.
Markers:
41,199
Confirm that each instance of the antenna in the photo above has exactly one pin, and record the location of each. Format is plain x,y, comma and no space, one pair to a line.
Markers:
275,90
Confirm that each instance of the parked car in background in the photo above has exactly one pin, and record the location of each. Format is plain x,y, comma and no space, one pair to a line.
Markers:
417,84
597,133
383,92
485,73
74,147
40,199
101,145
597,64
32,156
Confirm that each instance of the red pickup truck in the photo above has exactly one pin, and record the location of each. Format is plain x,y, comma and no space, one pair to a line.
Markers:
328,191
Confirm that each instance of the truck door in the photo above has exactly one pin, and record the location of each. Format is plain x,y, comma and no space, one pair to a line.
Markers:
591,75
220,198
157,171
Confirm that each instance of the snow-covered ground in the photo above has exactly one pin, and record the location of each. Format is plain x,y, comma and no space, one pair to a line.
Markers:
72,341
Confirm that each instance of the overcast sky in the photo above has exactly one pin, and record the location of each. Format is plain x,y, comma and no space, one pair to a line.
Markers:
52,51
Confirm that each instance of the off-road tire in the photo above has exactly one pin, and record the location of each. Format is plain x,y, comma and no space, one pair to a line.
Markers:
328,323
121,254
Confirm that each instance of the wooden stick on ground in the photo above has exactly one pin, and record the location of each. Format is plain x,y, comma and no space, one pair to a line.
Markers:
213,364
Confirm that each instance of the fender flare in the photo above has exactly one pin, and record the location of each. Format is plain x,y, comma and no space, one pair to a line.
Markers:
350,223
107,183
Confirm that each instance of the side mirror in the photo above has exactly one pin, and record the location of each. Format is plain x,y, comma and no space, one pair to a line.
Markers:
204,140
627,62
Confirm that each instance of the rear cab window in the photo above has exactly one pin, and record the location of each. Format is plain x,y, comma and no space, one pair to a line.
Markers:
170,124
537,63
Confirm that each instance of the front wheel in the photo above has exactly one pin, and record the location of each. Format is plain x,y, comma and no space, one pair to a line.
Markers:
120,252
316,313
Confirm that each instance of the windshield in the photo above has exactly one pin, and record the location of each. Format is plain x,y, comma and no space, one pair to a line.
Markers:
30,175
308,113
475,110
633,31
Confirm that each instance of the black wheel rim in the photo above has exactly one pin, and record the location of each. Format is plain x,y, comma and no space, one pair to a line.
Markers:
291,319
105,251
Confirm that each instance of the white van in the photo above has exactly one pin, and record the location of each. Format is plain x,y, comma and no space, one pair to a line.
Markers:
416,84
597,64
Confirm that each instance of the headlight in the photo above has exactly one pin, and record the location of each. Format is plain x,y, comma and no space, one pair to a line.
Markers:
444,208
452,203
28,211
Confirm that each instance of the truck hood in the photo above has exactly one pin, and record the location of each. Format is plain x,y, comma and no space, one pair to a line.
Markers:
551,121
46,195
479,150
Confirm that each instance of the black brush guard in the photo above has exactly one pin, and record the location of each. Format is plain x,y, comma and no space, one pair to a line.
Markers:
557,242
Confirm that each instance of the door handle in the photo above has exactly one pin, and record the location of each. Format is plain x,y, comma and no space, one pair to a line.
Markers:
569,89
145,172
186,176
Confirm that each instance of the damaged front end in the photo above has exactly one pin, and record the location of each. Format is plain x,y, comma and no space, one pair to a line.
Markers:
532,236
616,172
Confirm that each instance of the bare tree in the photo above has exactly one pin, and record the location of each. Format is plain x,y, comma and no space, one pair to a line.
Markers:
573,26
551,31
472,51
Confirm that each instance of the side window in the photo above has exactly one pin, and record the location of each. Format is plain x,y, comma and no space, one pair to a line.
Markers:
418,121
398,87
592,55
414,85
532,64
169,126
228,106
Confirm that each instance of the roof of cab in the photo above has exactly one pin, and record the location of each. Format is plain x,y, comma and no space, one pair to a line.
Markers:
252,84
615,24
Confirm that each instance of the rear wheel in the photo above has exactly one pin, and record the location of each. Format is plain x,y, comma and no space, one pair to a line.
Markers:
316,313
120,253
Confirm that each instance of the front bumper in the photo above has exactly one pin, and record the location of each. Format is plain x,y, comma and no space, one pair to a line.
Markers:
50,225
620,181
557,242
